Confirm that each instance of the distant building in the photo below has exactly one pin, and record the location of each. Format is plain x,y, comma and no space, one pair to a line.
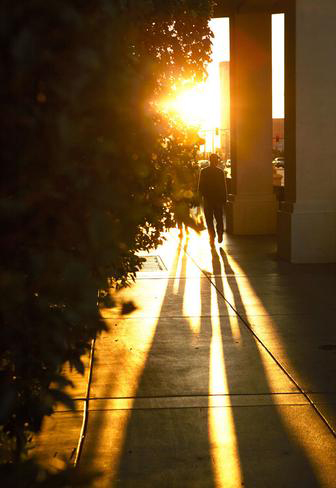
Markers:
224,129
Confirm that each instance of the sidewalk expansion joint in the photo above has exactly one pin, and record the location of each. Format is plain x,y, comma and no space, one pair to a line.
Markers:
191,395
200,401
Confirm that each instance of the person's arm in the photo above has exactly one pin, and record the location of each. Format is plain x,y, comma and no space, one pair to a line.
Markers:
201,184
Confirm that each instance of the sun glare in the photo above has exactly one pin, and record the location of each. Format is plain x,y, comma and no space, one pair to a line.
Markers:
188,105
200,105
207,106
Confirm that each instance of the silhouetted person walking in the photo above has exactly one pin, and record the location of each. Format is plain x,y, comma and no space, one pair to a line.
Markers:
212,188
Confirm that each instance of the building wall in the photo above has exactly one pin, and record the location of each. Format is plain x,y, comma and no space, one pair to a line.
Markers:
224,81
307,219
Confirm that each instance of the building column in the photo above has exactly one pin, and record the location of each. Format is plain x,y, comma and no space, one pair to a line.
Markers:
252,207
307,217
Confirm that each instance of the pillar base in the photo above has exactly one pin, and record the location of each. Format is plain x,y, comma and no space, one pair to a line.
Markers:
251,214
307,232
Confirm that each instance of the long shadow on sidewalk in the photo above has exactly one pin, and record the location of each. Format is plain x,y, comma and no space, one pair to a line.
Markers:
270,453
176,436
300,299
169,447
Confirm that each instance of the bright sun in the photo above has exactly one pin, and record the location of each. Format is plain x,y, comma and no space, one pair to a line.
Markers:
206,105
199,105
189,105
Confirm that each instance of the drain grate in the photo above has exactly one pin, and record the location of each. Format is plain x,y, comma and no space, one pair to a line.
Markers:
153,263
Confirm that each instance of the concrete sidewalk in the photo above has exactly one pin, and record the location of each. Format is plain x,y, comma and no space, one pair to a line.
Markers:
223,377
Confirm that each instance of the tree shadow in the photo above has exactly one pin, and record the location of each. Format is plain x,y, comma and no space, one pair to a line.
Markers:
169,445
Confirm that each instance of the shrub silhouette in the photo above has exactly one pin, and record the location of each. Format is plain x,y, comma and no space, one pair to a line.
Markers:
88,170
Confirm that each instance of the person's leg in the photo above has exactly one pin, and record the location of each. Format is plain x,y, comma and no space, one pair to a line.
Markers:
218,211
209,216
180,228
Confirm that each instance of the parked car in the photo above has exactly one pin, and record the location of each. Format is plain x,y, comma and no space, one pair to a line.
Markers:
279,162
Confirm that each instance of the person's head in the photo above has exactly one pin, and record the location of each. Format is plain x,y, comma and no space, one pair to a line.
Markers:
214,159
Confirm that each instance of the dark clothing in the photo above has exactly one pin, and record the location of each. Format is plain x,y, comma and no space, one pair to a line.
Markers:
213,190
211,185
211,211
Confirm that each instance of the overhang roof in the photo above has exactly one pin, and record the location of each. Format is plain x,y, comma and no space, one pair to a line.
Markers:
225,8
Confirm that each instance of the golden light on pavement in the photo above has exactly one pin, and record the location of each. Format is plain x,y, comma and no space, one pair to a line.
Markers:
272,373
122,391
192,298
222,435
196,302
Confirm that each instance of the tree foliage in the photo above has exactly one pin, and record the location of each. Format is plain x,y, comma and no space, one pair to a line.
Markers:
88,167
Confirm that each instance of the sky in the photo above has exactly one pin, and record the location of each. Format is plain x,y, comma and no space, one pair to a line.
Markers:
278,61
